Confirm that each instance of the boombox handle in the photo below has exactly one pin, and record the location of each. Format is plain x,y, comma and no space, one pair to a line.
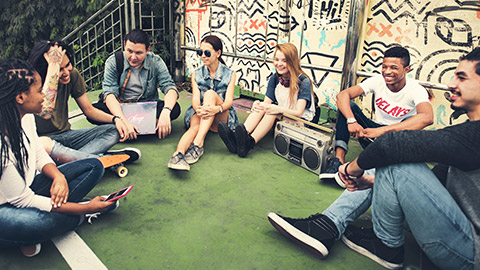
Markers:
308,123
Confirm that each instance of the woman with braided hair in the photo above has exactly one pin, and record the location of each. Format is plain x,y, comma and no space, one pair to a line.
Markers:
35,208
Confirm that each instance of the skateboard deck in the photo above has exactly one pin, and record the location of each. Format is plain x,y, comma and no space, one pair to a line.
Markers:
115,162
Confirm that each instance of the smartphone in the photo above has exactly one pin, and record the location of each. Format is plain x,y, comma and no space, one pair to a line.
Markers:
118,194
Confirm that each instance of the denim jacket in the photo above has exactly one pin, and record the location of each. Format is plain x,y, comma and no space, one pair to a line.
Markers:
219,84
153,73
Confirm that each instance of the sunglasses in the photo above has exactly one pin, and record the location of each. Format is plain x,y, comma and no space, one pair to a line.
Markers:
206,53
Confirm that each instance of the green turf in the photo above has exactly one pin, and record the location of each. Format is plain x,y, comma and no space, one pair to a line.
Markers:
213,217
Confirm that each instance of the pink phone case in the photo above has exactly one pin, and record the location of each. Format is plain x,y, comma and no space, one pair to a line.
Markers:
118,194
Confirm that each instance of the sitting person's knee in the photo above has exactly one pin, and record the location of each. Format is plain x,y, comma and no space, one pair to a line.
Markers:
47,144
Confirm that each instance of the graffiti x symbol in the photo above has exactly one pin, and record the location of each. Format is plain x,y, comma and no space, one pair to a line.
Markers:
254,24
403,35
372,28
385,30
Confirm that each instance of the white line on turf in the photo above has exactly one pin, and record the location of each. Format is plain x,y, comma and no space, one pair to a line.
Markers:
76,252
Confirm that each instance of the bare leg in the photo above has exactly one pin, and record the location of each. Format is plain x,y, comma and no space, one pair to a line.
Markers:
340,154
210,98
253,120
263,127
189,135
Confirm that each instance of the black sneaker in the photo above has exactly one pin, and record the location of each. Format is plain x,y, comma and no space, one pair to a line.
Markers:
372,247
228,137
134,153
316,233
332,169
244,141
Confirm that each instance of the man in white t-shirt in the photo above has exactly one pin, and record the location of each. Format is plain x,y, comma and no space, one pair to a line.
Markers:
399,104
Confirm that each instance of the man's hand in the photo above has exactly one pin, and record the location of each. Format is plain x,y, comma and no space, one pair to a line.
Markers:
54,55
132,131
122,129
164,124
355,130
361,183
373,132
59,191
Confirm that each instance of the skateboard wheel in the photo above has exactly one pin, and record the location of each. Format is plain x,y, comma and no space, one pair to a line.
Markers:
121,171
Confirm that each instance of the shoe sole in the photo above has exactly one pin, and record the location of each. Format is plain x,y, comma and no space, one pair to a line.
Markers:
339,181
305,241
370,255
178,168
192,161
135,150
326,176
223,132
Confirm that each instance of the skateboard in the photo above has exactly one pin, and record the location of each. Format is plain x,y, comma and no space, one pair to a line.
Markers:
115,163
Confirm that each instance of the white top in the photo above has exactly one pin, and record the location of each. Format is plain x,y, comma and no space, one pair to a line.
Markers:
394,107
13,188
282,94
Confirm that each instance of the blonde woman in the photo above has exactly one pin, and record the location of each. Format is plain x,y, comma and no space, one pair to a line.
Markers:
289,91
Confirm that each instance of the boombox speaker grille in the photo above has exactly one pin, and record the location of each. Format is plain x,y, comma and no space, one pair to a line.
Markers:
311,157
281,144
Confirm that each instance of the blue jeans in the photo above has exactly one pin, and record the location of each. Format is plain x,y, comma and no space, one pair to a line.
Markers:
94,140
349,206
28,226
410,195
342,136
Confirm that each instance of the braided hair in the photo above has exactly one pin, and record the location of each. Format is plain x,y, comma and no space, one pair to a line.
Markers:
16,77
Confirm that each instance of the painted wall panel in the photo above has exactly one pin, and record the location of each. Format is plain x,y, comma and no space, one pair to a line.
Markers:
436,33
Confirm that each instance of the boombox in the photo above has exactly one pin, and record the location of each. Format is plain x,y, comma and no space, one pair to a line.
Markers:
308,147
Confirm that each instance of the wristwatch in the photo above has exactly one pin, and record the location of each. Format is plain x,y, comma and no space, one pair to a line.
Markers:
115,117
351,120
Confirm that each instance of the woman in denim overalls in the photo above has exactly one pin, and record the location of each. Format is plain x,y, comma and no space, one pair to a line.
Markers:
212,87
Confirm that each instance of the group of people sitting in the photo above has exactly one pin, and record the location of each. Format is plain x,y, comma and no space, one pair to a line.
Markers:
437,207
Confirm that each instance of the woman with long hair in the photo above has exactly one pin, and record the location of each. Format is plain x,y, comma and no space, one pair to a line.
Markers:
213,86
289,91
35,208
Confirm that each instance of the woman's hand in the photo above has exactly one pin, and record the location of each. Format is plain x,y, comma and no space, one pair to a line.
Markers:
59,191
273,109
206,111
98,204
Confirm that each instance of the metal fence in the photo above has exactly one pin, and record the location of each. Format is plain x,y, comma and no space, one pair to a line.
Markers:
102,34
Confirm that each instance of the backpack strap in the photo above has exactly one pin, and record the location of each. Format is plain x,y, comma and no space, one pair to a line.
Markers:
119,62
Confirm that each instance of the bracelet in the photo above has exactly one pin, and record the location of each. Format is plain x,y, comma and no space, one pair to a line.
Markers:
167,108
221,108
349,176
115,117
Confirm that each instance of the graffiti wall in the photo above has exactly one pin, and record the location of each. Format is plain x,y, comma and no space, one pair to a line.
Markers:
436,33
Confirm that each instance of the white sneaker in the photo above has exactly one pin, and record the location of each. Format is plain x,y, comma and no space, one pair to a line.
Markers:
89,217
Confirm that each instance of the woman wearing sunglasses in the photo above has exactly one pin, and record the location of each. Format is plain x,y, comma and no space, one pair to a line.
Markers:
35,208
212,87
289,91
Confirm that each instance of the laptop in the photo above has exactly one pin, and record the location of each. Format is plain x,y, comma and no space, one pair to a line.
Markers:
142,114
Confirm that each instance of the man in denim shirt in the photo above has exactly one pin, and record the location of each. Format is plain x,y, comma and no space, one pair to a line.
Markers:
142,72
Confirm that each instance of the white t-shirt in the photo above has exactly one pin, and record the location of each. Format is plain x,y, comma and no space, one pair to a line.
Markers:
13,188
394,107
282,94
